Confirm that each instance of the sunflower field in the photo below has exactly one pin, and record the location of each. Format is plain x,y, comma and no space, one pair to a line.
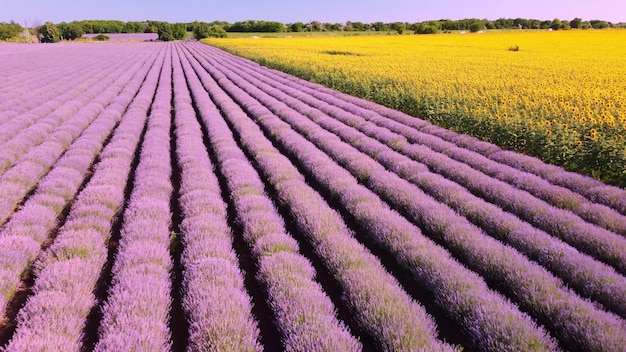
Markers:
560,96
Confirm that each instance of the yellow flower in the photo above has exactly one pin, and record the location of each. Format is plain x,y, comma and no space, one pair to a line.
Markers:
470,77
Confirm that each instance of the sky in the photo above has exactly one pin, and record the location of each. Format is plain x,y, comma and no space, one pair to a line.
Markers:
289,11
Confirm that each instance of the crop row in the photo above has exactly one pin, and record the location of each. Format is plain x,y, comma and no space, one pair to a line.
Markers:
551,303
305,315
211,266
590,277
188,199
588,187
36,85
67,272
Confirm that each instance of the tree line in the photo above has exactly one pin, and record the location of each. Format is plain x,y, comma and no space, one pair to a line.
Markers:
51,32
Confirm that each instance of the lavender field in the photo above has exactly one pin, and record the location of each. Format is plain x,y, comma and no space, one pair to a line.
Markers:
171,197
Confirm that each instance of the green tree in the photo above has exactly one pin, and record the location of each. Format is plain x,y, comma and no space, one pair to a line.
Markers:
426,28
598,24
358,26
179,30
297,27
203,30
576,22
379,26
399,27
556,24
165,32
9,30
476,26
217,31
71,31
134,27
50,33
334,27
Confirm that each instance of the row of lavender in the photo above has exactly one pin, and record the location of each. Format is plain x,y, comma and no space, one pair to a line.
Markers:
65,159
581,271
359,222
69,269
573,319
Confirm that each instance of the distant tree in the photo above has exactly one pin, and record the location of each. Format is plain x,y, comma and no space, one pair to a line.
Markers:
426,28
399,27
545,24
358,26
165,32
315,26
50,33
134,27
257,26
203,30
521,23
71,31
598,24
448,25
534,24
179,31
217,31
297,27
556,24
335,27
380,26
576,22
504,23
476,26
9,30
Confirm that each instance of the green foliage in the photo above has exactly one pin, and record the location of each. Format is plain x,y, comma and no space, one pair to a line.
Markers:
476,26
50,33
102,26
597,24
426,28
355,26
179,30
380,27
556,24
399,27
576,22
334,27
297,27
134,27
165,32
203,30
101,37
71,31
9,30
257,26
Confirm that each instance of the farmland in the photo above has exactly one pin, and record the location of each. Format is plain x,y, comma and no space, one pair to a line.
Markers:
172,196
554,95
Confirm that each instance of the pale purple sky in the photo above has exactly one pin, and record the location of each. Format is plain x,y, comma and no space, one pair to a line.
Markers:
293,11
